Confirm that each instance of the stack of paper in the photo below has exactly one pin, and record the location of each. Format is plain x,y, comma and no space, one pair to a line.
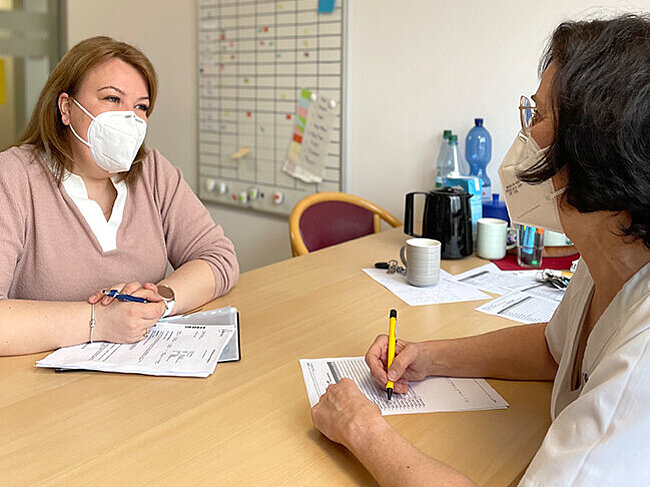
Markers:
525,298
221,316
434,394
187,346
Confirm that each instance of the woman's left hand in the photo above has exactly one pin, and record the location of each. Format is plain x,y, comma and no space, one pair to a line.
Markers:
343,411
149,291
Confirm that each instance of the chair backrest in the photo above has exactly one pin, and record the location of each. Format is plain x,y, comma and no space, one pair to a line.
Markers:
323,219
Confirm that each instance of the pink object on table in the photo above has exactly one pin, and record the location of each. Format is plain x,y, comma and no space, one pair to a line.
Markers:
509,262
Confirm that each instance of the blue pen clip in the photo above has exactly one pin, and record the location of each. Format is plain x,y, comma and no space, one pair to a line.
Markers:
114,293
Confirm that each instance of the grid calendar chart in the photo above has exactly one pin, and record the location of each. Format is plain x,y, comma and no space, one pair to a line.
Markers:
255,59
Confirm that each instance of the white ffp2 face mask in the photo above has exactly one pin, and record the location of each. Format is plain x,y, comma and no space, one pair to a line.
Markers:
528,204
114,138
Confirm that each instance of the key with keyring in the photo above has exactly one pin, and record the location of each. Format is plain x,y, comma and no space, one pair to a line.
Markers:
392,266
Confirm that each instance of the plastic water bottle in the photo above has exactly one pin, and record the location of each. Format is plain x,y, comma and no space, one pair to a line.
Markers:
442,158
478,152
451,168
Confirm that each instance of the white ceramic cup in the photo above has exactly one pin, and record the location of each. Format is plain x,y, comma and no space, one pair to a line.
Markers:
491,239
421,256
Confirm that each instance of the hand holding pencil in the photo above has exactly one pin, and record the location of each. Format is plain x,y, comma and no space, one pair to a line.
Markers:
412,362
391,350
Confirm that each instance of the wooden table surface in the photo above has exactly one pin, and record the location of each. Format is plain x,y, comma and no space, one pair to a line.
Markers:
249,423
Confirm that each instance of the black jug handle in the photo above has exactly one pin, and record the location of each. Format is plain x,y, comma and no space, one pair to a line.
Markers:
408,213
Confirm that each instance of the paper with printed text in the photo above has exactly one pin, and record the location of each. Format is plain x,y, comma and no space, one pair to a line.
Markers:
434,394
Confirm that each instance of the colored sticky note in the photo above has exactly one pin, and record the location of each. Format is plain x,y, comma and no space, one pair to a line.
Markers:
3,91
297,138
325,6
241,152
301,111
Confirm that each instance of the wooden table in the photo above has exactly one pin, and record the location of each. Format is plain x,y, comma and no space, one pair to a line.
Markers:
249,423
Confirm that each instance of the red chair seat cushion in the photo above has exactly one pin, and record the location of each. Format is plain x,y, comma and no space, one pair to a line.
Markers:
332,222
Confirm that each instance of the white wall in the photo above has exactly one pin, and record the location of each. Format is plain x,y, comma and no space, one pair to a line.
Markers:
414,69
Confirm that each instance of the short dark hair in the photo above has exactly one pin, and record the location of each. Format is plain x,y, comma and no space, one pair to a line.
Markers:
600,98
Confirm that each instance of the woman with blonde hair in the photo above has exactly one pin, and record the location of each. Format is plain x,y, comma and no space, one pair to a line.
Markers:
85,206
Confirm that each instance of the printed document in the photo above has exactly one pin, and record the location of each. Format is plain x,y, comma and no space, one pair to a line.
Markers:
492,279
221,316
170,349
434,394
522,307
446,291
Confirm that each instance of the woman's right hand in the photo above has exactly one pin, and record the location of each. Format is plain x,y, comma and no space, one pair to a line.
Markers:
123,321
413,362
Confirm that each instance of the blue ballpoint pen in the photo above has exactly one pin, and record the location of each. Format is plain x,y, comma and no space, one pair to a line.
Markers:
114,293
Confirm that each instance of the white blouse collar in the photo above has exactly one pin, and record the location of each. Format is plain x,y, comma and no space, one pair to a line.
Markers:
104,231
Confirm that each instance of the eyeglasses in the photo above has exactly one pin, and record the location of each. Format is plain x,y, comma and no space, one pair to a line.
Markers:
527,112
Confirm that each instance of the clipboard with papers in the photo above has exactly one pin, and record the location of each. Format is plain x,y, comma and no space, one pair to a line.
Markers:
219,316
181,346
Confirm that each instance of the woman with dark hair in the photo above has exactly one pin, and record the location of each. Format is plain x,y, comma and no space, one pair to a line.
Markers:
85,206
581,165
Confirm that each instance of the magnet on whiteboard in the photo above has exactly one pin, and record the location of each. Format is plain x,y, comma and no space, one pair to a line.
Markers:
313,96
210,184
332,104
253,193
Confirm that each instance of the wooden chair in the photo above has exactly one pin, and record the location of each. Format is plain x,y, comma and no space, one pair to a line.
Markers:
323,219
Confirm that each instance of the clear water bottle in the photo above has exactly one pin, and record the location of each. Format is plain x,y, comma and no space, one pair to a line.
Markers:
451,168
442,158
478,152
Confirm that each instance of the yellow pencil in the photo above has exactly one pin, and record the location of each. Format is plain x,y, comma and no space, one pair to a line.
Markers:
391,349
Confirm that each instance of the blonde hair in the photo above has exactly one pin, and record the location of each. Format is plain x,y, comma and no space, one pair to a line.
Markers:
47,132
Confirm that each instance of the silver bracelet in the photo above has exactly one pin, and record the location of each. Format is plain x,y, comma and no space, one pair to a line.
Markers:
92,321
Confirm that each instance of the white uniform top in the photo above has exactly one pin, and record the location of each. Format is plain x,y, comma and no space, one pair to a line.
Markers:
600,433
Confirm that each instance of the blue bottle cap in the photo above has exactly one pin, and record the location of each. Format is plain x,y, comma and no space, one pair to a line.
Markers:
495,208
478,122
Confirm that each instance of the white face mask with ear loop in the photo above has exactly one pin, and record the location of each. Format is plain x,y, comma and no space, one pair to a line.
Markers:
114,138
529,204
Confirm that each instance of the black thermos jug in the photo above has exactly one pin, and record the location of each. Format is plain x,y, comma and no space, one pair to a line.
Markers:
446,217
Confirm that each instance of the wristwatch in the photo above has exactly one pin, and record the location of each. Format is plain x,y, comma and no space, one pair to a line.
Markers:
169,297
